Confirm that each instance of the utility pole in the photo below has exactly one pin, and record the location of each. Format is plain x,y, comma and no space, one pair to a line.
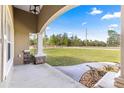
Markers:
84,23
86,36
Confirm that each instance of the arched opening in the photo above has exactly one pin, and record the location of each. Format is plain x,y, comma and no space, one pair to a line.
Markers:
94,40
84,29
95,50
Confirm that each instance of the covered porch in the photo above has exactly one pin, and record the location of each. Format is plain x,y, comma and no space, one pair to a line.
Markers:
16,74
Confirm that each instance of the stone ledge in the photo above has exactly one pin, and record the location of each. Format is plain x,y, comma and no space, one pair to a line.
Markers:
119,82
107,81
40,59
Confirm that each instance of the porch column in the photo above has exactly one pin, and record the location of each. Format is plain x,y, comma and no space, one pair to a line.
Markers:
40,45
40,56
119,81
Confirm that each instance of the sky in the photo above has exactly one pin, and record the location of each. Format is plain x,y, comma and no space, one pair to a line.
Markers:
96,18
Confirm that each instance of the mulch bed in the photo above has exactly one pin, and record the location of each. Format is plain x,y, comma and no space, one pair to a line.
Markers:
92,76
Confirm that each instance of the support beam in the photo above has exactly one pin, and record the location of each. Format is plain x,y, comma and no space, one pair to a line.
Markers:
119,81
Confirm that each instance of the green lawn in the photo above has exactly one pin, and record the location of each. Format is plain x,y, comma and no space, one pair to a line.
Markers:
72,56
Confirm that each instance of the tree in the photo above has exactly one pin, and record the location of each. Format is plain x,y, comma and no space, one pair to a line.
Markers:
113,39
33,39
53,40
45,40
65,39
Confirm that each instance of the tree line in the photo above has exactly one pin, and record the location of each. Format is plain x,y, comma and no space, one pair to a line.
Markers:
113,40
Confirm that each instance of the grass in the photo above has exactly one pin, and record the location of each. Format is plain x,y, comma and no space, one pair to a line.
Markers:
72,56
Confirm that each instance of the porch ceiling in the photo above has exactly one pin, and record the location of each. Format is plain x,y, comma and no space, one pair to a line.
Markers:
25,7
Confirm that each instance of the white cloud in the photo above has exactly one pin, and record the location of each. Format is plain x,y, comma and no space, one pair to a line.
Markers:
84,23
95,11
48,28
112,26
110,16
70,34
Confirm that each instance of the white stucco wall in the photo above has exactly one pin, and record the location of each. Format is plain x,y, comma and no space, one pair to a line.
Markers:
0,43
8,31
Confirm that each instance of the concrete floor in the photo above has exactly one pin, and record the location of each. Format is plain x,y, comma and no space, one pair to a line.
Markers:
40,76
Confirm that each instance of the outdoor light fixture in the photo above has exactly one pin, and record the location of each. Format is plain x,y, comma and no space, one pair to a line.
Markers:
35,9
